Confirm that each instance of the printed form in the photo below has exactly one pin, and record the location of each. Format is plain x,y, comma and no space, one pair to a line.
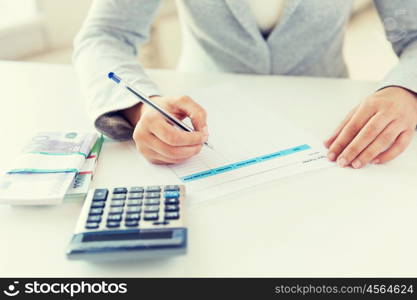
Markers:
252,143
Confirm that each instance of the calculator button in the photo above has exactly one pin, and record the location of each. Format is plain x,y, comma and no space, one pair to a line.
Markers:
136,196
100,194
112,224
172,208
120,190
153,195
151,209
161,223
153,188
136,189
134,202
152,202
151,217
172,201
96,211
115,210
118,197
172,188
95,218
92,225
134,216
132,223
117,203
98,204
170,195
172,215
133,209
116,218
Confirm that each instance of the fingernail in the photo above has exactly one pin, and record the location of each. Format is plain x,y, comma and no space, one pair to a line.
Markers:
341,162
356,164
205,130
331,156
375,161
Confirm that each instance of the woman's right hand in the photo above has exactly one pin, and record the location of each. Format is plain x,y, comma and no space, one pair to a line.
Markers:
159,141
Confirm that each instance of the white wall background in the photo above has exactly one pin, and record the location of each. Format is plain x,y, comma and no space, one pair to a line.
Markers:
62,20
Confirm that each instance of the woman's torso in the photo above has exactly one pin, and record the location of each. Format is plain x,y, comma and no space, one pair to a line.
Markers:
224,35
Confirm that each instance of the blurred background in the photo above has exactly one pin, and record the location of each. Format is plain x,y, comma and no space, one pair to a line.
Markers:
43,31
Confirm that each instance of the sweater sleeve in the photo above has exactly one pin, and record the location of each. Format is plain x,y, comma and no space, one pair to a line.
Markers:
108,42
400,23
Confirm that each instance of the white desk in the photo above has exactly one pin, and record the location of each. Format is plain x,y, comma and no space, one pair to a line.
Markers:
334,222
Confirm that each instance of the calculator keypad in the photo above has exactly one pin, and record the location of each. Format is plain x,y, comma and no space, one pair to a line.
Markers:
135,207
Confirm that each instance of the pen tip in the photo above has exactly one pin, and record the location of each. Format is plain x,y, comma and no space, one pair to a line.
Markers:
208,145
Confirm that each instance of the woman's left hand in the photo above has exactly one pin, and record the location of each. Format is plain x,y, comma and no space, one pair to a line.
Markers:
377,130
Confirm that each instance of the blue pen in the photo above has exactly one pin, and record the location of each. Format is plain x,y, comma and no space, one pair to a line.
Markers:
146,100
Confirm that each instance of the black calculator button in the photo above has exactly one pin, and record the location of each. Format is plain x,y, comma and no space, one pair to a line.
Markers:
115,210
120,190
134,202
132,223
172,208
151,209
172,215
153,188
96,211
94,218
112,224
173,201
136,196
136,189
152,202
134,216
133,209
153,195
151,217
97,204
100,194
161,223
117,203
118,197
171,188
170,195
116,218
91,225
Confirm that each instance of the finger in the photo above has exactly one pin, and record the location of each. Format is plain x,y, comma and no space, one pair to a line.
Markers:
400,144
187,107
156,158
172,152
365,137
354,125
330,140
174,136
384,141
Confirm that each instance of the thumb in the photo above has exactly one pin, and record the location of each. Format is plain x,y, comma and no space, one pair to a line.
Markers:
186,106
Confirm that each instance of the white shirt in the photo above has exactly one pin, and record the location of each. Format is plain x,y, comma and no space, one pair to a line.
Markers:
267,13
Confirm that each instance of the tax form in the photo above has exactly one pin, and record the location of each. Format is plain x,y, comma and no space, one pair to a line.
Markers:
252,144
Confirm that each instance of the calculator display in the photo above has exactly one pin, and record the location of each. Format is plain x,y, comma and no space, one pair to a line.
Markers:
123,236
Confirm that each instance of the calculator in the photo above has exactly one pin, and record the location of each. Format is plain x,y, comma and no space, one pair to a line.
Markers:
130,223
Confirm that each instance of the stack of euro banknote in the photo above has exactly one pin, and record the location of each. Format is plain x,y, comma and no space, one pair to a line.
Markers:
52,166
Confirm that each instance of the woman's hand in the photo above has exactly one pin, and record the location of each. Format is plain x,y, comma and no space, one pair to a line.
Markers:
159,141
376,131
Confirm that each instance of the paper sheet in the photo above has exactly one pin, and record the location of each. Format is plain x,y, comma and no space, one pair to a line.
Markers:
252,144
